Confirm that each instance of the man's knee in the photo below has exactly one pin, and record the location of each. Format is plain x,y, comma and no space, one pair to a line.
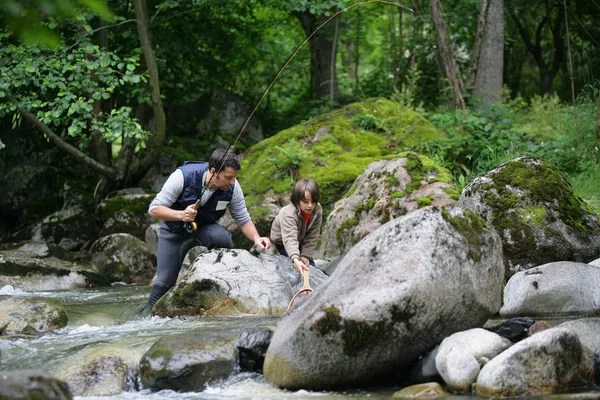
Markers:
215,236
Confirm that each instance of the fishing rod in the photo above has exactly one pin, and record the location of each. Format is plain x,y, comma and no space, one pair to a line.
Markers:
191,226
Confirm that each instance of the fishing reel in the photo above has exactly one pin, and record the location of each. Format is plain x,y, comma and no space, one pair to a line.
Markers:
190,226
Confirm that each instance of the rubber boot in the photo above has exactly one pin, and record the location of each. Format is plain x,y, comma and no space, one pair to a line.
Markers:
158,291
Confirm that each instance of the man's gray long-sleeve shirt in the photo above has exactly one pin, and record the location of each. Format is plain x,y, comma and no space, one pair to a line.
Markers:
174,186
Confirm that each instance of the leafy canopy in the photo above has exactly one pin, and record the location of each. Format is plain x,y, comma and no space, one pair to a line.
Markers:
60,86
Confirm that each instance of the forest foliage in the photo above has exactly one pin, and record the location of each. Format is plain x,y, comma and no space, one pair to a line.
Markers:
78,68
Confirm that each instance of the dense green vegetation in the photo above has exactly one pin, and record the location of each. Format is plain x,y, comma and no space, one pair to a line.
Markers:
80,73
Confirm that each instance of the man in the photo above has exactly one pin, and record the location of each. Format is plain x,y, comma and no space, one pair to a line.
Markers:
215,185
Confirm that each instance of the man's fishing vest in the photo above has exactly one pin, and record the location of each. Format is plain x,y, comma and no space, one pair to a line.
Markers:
193,171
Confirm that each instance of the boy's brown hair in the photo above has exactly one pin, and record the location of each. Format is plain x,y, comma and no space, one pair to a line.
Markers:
305,185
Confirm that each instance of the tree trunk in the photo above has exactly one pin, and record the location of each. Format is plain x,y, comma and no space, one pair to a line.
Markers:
447,58
155,143
489,70
546,72
322,52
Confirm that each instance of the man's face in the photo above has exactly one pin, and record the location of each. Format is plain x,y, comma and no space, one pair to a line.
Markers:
224,179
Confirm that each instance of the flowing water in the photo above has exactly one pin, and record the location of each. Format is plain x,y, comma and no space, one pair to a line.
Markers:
96,327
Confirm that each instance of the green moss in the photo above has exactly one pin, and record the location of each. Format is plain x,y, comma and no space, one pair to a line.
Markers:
366,206
392,181
424,201
197,295
470,226
156,352
453,193
358,336
138,205
330,322
338,157
536,215
397,195
351,191
542,186
341,231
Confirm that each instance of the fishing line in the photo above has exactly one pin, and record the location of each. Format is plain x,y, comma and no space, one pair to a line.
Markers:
266,91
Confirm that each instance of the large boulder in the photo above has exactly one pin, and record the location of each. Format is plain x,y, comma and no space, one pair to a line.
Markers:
394,295
127,212
533,208
385,190
123,258
548,362
224,281
333,149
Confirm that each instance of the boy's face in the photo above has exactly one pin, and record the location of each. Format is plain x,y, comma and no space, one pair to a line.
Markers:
224,179
307,205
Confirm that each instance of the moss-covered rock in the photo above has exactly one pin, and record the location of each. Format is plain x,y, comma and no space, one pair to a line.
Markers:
333,149
29,315
533,208
125,214
123,258
386,189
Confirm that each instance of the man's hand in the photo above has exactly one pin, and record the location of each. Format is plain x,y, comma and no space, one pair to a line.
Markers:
189,214
263,243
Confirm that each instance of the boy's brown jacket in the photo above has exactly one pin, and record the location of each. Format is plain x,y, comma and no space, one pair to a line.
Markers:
290,231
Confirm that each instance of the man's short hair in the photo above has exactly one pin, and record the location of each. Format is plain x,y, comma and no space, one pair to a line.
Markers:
221,159
305,185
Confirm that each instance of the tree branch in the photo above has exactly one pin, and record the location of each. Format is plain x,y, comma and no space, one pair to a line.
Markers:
61,144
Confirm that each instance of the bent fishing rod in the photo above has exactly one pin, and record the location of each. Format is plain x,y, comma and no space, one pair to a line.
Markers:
192,226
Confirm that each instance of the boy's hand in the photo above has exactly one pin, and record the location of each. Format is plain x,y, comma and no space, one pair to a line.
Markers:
300,265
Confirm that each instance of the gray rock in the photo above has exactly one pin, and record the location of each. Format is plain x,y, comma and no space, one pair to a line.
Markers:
123,258
30,315
397,293
187,363
32,384
460,355
556,289
259,285
547,362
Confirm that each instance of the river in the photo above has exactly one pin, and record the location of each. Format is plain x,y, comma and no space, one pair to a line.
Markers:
96,326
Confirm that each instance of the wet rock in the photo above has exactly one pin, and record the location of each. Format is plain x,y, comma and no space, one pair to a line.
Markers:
424,391
513,329
252,347
32,384
27,315
187,362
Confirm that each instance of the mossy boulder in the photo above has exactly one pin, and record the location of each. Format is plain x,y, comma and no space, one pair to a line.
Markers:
385,190
126,213
30,315
333,149
123,258
187,362
537,214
